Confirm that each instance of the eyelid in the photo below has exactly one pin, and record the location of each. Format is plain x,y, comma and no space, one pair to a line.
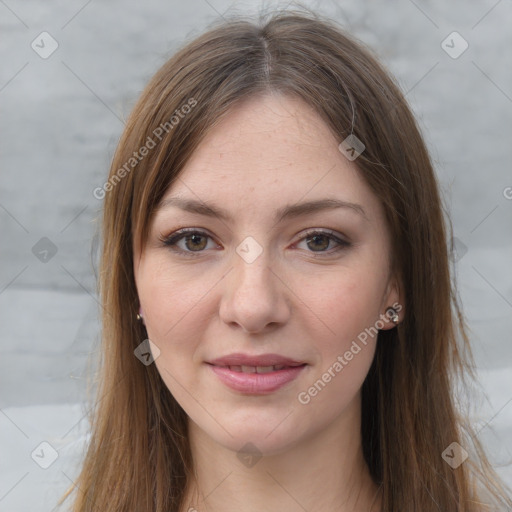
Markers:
340,240
323,231
178,235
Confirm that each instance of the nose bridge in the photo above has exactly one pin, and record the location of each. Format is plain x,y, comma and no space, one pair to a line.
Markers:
253,297
252,268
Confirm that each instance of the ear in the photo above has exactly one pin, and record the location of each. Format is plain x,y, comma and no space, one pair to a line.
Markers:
393,298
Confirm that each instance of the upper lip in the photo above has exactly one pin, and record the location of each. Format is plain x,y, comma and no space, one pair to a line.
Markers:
239,359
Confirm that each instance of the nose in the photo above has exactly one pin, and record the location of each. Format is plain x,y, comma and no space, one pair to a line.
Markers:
255,297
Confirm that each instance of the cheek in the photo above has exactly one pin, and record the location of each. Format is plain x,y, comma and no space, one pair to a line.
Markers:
175,319
171,298
347,302
350,310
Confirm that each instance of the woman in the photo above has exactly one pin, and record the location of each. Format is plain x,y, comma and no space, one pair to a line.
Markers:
277,327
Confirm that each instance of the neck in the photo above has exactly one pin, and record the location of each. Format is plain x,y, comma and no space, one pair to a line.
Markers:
323,473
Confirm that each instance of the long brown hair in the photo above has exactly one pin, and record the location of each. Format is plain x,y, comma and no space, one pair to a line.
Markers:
138,457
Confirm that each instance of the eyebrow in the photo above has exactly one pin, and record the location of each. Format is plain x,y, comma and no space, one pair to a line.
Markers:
285,213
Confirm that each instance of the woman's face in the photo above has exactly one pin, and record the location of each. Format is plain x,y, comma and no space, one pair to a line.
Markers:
264,315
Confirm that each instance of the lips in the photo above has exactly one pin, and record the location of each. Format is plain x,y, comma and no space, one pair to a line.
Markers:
255,369
261,374
260,361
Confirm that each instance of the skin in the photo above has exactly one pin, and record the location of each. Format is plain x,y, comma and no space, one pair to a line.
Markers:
298,298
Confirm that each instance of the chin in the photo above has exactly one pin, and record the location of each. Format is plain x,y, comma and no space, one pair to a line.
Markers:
259,442
267,432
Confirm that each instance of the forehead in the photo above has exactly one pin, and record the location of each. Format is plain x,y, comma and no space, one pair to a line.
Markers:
265,132
269,151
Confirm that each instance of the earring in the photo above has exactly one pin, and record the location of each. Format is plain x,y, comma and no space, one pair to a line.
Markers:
139,314
393,315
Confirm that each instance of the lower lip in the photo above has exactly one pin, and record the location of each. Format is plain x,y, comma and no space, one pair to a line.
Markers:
257,383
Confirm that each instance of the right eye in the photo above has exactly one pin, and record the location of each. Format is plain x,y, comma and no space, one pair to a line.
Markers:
194,241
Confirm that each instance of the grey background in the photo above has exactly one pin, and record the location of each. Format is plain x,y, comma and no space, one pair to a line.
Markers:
61,118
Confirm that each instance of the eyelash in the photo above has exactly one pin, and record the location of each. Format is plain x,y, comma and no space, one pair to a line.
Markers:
171,241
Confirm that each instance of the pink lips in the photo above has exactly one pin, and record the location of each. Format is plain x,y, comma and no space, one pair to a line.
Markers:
256,374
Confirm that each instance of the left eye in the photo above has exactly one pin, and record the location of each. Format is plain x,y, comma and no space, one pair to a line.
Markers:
196,241
322,239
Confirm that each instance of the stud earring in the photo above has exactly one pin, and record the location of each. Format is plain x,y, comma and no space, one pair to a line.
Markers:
392,315
139,314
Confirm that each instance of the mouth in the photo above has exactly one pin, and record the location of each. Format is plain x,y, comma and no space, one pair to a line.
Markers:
255,361
258,369
264,376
